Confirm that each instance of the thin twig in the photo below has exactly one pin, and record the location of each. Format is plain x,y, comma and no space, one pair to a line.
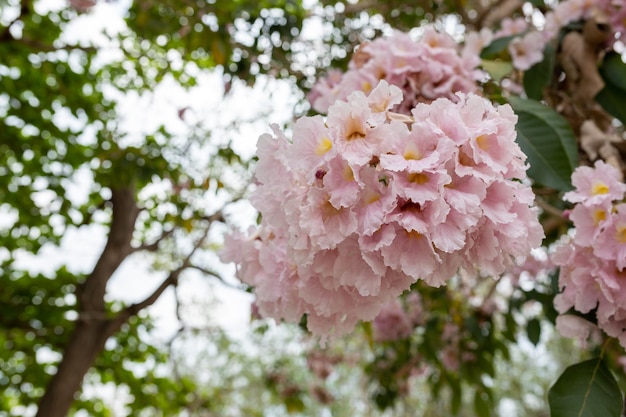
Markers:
219,277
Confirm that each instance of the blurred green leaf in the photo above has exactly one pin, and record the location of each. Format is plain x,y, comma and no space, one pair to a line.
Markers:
497,69
496,47
533,330
537,77
611,97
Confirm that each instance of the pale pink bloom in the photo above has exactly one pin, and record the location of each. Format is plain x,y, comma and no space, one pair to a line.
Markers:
412,253
596,186
352,271
617,19
498,202
422,186
423,148
325,224
384,97
415,308
355,139
312,146
450,235
589,221
552,26
426,69
273,162
575,327
611,240
465,194
377,200
392,323
341,183
420,218
475,42
527,50
510,26
573,10
325,91
577,279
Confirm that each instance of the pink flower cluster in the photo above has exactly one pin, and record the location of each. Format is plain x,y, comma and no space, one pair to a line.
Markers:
593,261
366,202
425,70
528,43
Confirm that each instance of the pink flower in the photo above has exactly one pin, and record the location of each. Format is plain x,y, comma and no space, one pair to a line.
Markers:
611,240
527,50
575,327
392,323
593,274
510,27
596,186
313,148
424,70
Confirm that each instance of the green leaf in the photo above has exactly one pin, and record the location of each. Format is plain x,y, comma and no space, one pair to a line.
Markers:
613,70
457,395
533,330
548,141
496,68
539,75
496,47
611,97
612,100
587,389
482,405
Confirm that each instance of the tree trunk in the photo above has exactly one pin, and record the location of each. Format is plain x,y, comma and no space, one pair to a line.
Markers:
93,327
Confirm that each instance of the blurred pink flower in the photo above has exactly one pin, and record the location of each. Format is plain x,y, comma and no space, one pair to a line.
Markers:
527,50
392,323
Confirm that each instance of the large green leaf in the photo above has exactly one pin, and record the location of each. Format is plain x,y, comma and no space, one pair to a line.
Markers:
548,141
587,389
539,75
611,97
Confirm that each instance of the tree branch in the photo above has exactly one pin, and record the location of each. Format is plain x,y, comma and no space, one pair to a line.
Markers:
172,279
154,246
217,276
91,293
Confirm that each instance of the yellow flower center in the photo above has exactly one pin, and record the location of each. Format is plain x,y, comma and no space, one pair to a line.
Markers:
370,196
413,234
328,210
348,175
418,178
598,216
621,233
323,146
412,155
355,130
483,142
599,187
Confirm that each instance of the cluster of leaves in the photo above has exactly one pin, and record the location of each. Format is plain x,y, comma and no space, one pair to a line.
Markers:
65,156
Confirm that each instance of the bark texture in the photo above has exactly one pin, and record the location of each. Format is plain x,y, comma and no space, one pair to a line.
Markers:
93,326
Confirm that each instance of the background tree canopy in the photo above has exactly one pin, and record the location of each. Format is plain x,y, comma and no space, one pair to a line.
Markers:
72,159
